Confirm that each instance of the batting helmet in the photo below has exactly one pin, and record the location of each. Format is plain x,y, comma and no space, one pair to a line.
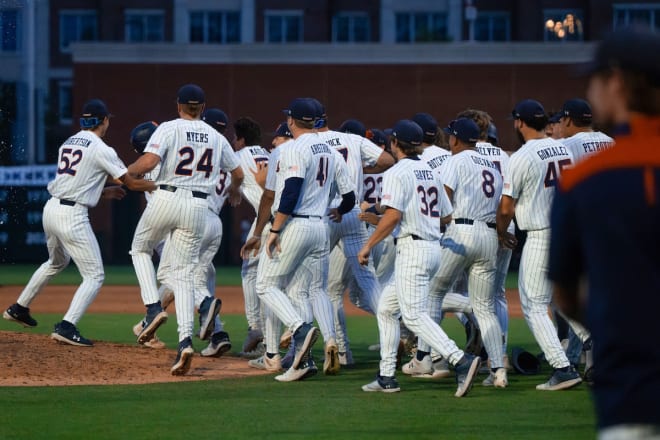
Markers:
140,135
525,362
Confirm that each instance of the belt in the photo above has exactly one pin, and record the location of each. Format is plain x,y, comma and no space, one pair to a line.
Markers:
67,202
413,236
196,194
469,221
443,228
305,216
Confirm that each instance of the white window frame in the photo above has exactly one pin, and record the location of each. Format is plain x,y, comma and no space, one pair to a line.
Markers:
19,29
351,15
654,9
283,13
562,12
60,102
490,15
78,13
205,30
411,25
143,14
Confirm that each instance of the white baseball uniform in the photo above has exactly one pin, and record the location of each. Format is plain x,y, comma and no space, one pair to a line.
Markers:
533,174
413,189
85,162
587,143
191,160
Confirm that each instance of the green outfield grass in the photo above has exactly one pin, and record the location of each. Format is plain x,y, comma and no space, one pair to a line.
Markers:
317,408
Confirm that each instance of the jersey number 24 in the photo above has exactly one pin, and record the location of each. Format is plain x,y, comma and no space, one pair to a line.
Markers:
204,164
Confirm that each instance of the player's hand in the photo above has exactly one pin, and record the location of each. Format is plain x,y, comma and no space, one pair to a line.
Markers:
369,217
363,256
273,245
508,240
113,192
334,215
364,205
252,245
234,196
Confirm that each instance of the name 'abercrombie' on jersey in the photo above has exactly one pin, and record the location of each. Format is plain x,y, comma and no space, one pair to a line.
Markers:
192,136
547,153
320,148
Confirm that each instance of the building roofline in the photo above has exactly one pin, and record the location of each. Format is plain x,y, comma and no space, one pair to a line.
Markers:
326,53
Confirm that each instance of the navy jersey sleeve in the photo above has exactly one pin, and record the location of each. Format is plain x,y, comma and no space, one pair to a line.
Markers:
566,258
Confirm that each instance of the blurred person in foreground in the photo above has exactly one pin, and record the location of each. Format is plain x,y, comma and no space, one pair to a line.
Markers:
604,257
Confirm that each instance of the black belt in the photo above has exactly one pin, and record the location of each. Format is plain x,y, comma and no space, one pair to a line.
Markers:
67,202
443,228
413,236
305,216
469,221
196,194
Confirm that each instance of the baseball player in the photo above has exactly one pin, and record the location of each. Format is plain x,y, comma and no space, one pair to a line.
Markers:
85,162
308,170
191,155
414,205
575,126
529,188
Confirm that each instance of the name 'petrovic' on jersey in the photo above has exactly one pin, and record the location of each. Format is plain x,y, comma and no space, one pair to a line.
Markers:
320,148
484,162
424,174
79,142
591,147
192,136
549,152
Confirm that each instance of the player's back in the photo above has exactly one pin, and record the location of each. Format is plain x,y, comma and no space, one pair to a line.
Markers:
533,173
252,159
435,157
85,161
587,143
191,154
219,195
499,157
476,182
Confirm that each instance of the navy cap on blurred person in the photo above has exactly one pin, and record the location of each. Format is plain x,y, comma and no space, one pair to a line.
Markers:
577,109
528,110
464,129
283,131
377,136
429,126
190,94
216,118
408,131
353,126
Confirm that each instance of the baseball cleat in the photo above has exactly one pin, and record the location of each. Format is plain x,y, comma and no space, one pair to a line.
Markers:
466,370
254,337
331,363
561,380
417,368
497,379
69,334
306,369
183,359
259,350
208,310
19,314
219,345
151,324
346,358
265,363
153,342
440,370
383,384
304,337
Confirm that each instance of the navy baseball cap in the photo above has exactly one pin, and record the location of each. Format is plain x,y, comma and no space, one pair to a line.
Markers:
303,109
629,49
428,123
464,129
577,109
555,117
353,126
528,110
492,134
190,94
283,130
216,118
95,108
376,136
408,131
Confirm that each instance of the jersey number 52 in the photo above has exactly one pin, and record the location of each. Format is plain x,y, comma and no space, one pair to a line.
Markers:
69,160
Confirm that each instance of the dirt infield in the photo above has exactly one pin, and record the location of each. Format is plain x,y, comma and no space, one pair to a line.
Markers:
108,363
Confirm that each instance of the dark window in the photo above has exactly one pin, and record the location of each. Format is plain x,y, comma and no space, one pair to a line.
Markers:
9,30
492,26
284,27
77,26
144,25
215,27
421,27
351,27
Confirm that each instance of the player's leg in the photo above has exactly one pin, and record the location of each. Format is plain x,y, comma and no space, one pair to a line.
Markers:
338,273
252,305
204,276
501,305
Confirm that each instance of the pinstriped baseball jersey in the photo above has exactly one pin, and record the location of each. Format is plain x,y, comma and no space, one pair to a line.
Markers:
192,154
373,186
412,188
274,165
321,167
85,162
218,197
357,151
499,157
587,143
533,173
435,157
252,159
477,185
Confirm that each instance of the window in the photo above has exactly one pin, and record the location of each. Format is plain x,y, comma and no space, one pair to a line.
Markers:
563,25
64,102
215,27
284,26
637,14
144,25
77,26
421,26
351,27
492,26
8,30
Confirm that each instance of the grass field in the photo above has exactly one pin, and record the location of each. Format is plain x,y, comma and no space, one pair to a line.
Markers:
259,407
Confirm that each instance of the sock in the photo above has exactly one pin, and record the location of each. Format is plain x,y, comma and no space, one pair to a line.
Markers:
421,354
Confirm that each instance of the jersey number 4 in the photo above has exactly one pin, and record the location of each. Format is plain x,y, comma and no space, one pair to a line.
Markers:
554,171
322,173
428,200
204,164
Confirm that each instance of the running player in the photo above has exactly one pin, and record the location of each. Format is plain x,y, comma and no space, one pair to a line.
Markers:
85,162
